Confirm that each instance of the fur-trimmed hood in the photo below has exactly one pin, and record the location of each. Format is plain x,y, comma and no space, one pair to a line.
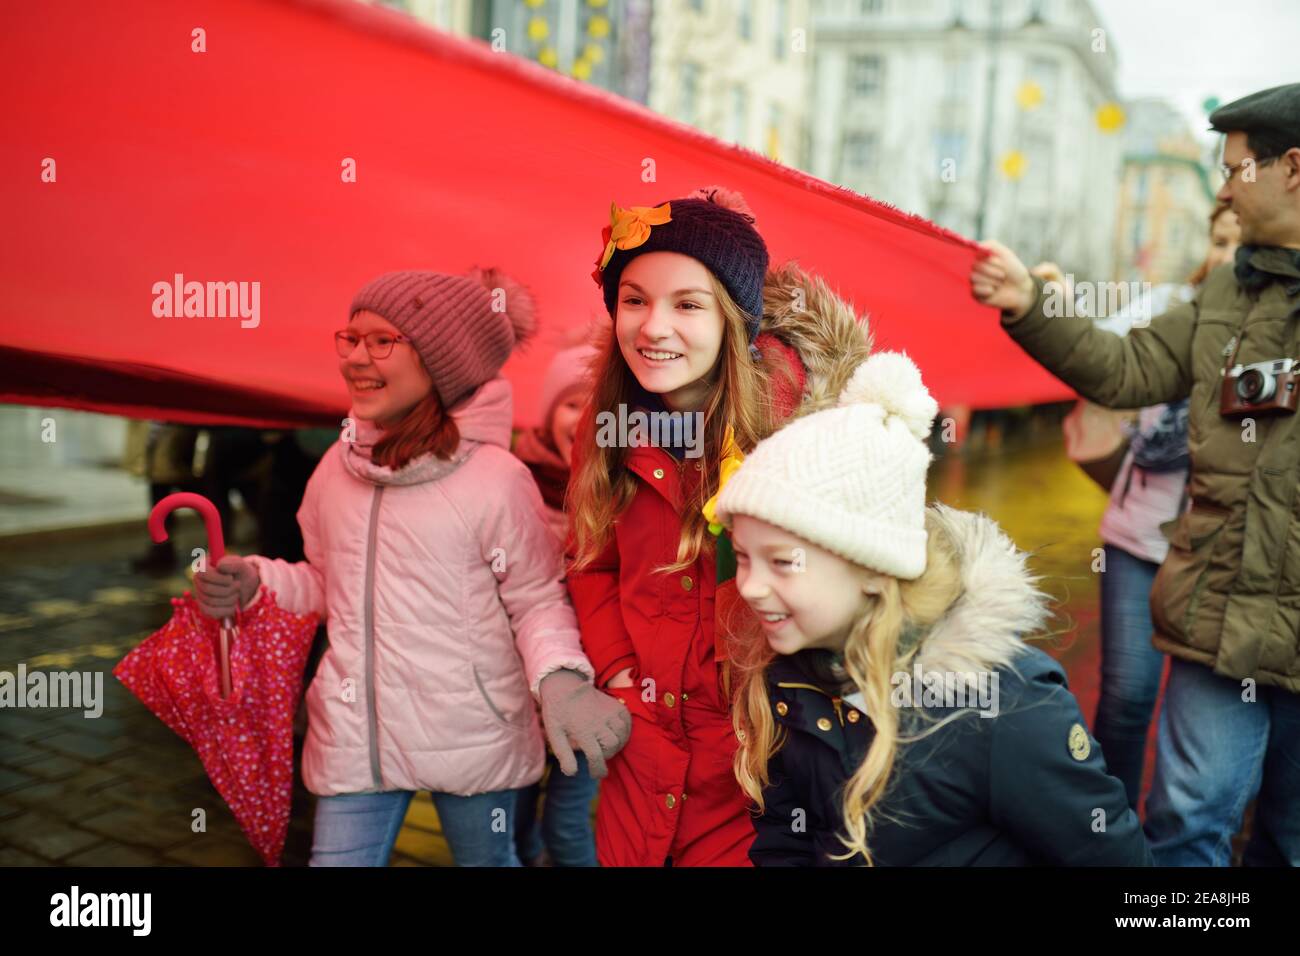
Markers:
1000,604
1000,607
831,340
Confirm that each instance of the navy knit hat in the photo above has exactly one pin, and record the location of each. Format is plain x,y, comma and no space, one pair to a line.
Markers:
714,226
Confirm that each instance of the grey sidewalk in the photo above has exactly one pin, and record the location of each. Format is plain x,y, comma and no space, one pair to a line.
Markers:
120,789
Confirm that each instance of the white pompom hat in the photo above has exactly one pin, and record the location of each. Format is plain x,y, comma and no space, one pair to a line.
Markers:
850,479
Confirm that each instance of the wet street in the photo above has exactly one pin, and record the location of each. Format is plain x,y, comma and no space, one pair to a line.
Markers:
121,789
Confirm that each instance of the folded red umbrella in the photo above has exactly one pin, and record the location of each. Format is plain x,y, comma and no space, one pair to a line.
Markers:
230,689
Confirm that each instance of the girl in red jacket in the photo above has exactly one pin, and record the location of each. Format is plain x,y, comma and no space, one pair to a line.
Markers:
685,384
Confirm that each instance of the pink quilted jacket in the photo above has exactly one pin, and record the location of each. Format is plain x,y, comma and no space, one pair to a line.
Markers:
443,593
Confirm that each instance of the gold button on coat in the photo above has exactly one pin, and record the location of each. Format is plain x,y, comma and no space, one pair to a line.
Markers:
687,583
659,472
669,699
781,708
823,723
854,716
670,801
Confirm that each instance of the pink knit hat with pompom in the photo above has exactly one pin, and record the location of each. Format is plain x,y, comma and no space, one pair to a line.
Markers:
464,327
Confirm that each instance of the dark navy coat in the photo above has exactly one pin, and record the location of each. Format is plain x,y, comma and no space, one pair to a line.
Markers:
1028,786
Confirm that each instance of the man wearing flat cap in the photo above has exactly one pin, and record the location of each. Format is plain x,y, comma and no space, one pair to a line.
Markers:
1226,601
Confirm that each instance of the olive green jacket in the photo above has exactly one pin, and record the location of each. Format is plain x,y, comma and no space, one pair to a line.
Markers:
1228,594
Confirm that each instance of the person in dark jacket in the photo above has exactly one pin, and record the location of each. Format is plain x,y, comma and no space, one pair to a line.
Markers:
1226,601
888,709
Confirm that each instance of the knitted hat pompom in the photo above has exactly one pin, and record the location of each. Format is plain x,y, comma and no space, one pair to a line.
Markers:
520,307
726,198
892,381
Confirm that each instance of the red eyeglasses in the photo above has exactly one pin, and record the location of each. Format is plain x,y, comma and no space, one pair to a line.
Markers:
378,344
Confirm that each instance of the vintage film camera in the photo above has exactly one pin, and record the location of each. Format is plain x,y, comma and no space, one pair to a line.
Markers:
1260,387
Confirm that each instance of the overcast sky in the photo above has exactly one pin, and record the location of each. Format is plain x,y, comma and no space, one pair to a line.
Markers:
1187,50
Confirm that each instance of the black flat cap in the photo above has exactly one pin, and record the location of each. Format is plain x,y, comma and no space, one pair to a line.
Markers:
1275,110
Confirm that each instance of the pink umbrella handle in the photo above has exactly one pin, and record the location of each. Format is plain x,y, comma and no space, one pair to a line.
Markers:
211,521
216,551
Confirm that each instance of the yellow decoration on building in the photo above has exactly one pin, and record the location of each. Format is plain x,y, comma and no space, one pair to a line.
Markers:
1110,117
533,3
1030,95
581,69
1013,164
593,53
538,29
547,56
598,27
596,3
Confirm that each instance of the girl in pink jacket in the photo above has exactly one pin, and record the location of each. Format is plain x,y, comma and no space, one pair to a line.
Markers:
441,586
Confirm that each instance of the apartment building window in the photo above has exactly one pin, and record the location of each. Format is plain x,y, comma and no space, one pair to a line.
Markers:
738,115
858,151
745,19
1046,73
689,95
956,78
780,16
950,144
866,75
1040,149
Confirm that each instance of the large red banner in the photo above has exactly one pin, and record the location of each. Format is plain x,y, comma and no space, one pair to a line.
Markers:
309,146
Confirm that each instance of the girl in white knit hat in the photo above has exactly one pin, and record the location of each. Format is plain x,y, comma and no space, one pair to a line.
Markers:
888,709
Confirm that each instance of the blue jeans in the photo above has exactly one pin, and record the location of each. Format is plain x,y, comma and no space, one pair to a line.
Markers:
1215,753
565,824
359,829
1130,668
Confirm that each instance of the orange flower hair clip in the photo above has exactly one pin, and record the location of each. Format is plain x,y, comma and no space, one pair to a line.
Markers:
627,229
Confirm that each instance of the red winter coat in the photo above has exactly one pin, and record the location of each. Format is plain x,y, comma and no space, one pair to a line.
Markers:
671,791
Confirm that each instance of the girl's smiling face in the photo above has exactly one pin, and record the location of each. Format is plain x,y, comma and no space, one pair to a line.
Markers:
803,595
669,326
383,390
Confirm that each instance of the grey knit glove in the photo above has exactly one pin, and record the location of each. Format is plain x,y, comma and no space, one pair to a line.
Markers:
223,590
574,711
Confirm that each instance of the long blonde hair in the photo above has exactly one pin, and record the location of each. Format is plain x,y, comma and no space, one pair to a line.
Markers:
601,489
876,649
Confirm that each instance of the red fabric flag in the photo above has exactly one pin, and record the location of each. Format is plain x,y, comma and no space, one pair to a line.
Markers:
160,158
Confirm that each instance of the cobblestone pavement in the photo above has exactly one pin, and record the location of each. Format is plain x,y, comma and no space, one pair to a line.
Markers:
121,789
